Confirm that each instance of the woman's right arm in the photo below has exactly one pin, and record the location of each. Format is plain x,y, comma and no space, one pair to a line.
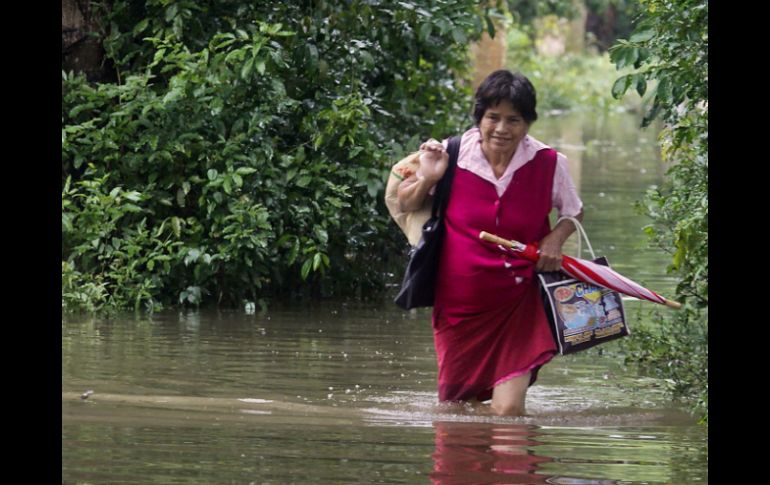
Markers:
433,163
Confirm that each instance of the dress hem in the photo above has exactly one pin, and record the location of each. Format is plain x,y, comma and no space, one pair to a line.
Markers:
542,360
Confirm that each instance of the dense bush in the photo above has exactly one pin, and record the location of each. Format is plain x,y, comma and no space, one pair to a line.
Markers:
243,150
669,50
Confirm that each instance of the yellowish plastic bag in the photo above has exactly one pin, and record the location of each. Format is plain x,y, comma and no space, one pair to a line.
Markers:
410,222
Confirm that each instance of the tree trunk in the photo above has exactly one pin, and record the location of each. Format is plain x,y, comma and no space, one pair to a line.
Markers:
81,40
575,42
488,55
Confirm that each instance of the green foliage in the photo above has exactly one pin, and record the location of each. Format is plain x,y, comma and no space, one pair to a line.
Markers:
243,151
569,82
525,12
669,46
669,49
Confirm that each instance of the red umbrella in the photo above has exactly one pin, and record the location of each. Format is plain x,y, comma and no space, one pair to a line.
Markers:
587,271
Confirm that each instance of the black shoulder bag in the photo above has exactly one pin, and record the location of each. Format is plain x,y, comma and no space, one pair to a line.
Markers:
418,287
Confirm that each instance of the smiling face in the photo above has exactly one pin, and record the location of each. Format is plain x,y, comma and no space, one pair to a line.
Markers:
502,129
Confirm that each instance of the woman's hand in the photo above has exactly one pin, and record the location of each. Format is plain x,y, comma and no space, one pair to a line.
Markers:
434,161
550,253
550,246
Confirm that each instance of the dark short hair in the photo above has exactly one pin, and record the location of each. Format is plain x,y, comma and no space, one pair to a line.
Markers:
504,85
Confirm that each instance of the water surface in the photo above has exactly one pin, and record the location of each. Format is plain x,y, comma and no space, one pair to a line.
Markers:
338,392
343,393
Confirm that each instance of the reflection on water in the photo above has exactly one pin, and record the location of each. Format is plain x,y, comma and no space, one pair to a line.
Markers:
342,392
486,453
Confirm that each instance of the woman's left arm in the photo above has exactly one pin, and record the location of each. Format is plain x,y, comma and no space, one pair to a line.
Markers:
567,201
550,246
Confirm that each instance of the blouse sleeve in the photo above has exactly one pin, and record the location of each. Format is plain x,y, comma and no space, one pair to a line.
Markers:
565,197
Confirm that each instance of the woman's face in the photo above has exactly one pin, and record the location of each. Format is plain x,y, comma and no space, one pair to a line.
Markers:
502,128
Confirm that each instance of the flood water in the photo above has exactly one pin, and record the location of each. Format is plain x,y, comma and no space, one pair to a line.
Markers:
345,392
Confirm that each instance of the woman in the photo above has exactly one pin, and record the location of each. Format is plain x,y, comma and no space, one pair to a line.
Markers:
490,330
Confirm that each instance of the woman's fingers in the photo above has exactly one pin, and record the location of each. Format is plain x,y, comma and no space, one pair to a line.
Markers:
432,145
548,262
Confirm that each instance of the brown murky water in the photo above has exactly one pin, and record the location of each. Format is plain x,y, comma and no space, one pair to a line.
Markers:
339,392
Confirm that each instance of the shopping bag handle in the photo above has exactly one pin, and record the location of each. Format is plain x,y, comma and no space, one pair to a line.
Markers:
582,232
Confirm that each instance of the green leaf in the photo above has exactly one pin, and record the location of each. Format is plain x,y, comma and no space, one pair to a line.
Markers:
227,185
173,95
171,12
141,26
624,55
316,261
665,92
245,170
312,53
238,180
368,59
133,196
66,222
425,30
630,56
621,86
246,69
176,225
641,84
304,181
260,67
158,55
321,235
642,36
443,25
212,174
192,256
131,208
372,187
459,36
306,268
490,26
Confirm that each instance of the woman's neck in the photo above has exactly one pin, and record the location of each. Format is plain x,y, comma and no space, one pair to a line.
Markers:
498,160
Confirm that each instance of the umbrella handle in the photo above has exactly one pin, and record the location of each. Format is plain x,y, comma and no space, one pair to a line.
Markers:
671,303
528,251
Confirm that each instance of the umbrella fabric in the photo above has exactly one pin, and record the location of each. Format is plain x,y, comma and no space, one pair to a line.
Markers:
599,275
587,271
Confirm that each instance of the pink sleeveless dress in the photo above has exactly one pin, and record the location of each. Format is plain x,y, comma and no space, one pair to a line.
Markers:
488,319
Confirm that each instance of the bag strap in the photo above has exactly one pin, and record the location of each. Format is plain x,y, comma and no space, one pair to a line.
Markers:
581,232
444,186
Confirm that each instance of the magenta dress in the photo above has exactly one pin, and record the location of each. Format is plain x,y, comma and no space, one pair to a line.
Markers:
488,319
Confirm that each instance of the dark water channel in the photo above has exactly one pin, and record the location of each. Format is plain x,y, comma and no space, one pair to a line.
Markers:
339,392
